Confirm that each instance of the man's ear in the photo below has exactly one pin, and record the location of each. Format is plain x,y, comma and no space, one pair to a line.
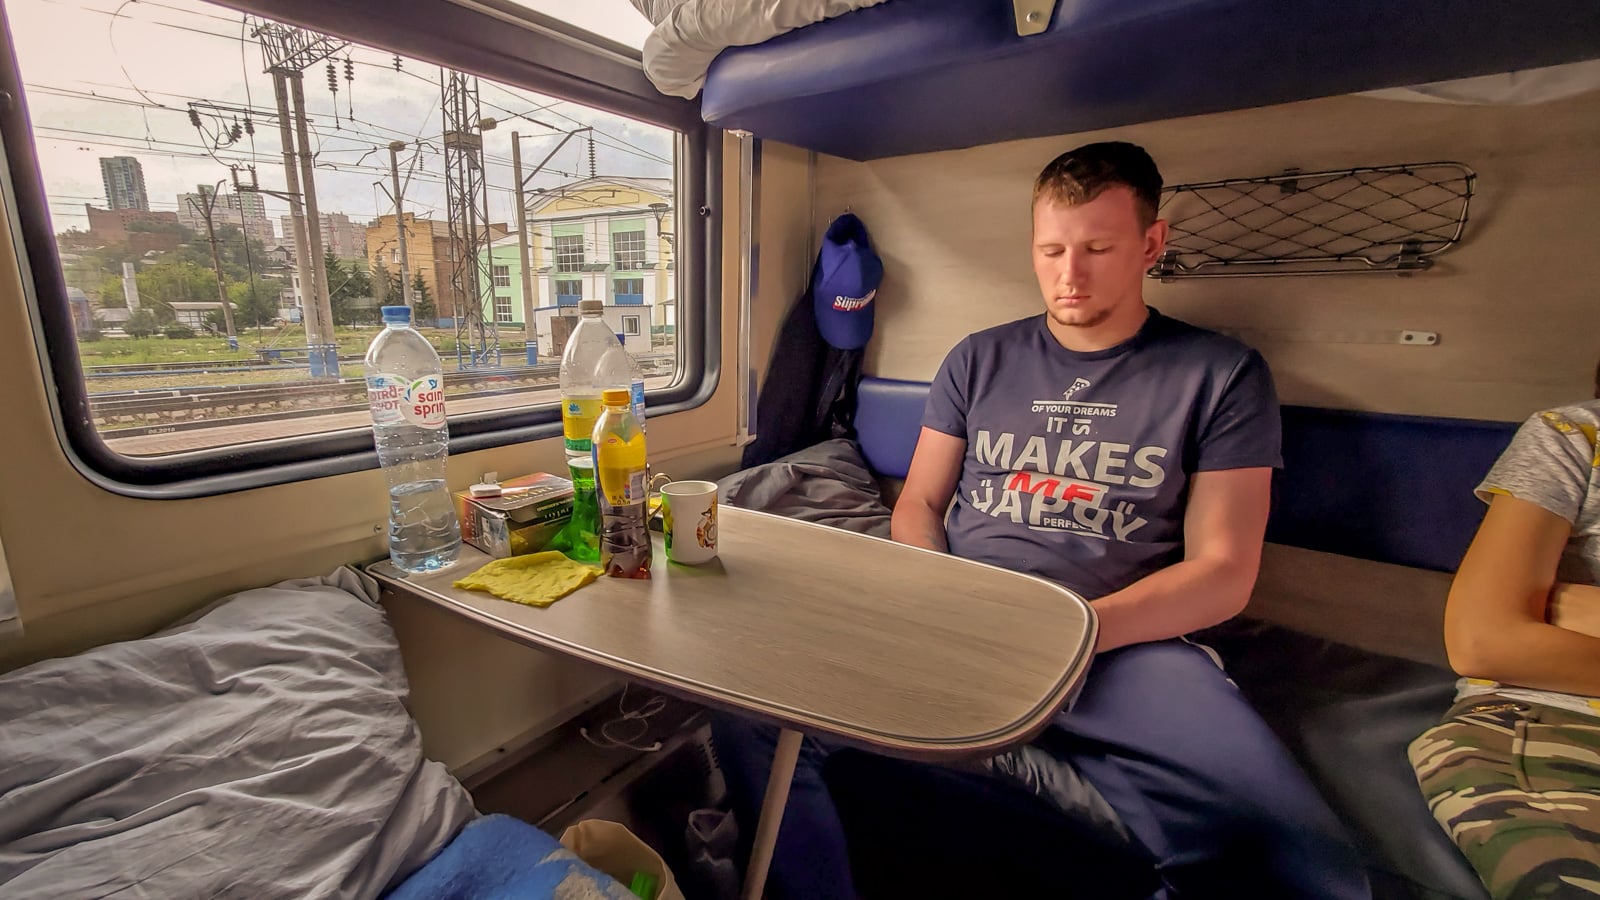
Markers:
1155,242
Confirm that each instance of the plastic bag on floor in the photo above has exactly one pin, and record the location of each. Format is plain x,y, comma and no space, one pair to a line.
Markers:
616,851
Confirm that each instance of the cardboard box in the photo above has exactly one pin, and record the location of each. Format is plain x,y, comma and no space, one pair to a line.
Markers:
531,512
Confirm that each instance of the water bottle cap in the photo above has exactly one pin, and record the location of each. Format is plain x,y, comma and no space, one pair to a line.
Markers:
589,306
616,397
397,314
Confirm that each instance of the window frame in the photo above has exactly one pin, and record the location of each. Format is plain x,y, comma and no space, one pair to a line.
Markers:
631,254
556,291
503,313
501,276
536,55
574,262
638,325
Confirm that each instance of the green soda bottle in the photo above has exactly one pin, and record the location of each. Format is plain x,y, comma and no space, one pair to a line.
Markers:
583,529
619,466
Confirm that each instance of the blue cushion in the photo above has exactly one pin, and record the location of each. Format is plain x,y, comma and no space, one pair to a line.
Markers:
1395,489
913,76
888,420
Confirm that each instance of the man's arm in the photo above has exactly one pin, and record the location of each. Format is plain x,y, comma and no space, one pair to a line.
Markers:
919,513
1494,621
1223,527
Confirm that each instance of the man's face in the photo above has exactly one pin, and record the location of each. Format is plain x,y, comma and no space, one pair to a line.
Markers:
1091,258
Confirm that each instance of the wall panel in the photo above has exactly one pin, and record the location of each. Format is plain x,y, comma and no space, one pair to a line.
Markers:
1518,317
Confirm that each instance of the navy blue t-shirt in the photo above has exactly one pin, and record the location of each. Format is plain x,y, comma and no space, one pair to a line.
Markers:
1077,465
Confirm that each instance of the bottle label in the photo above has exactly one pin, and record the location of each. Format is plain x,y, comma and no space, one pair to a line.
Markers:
638,403
423,404
385,393
578,415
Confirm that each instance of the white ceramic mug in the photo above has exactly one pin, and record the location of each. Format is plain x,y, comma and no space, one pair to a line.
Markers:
689,521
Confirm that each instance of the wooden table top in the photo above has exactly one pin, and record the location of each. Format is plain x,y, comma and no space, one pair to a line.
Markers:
894,648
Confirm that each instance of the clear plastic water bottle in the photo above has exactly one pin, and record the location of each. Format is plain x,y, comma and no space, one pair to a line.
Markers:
588,366
594,361
405,388
618,369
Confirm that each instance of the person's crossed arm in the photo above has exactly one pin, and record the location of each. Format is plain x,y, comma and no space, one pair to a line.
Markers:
1495,620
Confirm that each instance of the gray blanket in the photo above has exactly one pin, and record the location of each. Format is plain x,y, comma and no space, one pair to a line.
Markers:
827,483
262,749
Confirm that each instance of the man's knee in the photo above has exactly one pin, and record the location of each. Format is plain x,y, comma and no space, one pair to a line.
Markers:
745,748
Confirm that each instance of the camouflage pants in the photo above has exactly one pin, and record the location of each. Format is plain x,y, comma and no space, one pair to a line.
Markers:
1517,787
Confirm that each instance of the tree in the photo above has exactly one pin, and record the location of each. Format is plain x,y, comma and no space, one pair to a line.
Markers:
141,323
255,303
380,278
334,271
385,284
349,292
423,309
109,293
165,283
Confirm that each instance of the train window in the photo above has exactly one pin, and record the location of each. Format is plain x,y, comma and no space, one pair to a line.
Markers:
229,199
616,20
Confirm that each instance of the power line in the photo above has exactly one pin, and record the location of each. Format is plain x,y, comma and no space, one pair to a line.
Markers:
620,144
351,135
111,38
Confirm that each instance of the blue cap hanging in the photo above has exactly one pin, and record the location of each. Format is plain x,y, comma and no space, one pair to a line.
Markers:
844,284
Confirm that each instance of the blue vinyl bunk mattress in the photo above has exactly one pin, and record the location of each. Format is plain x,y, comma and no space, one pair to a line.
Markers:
914,76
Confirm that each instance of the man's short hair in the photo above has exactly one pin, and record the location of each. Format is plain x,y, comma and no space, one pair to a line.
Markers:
1080,175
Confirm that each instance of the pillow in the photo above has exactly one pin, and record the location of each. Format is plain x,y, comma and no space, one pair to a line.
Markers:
261,749
826,483
689,34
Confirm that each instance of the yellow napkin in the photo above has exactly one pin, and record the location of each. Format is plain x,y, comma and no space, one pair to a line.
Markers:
537,579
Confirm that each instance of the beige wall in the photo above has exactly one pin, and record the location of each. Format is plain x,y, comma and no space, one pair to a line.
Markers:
1517,314
785,245
91,567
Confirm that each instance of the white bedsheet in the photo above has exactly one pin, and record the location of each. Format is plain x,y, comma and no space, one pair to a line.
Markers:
689,34
261,750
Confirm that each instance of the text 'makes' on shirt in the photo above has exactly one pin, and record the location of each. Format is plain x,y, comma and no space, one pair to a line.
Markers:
1078,464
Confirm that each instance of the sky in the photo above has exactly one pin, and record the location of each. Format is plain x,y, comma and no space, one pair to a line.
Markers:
115,78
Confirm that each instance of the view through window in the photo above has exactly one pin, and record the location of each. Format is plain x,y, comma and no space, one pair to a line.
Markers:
224,192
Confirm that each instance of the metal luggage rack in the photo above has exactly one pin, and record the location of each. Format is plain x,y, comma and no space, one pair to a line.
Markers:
1371,219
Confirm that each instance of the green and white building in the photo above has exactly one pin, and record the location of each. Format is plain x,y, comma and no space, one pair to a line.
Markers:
599,238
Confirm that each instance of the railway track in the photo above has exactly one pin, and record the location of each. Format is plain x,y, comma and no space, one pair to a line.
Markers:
232,366
161,410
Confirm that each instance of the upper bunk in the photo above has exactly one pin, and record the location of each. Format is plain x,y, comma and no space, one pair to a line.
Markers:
913,76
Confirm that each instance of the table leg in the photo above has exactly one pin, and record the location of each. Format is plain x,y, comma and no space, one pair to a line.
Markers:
783,763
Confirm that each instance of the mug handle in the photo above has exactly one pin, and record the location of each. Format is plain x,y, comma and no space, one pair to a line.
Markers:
658,511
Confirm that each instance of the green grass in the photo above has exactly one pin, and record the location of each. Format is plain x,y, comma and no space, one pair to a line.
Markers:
201,350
